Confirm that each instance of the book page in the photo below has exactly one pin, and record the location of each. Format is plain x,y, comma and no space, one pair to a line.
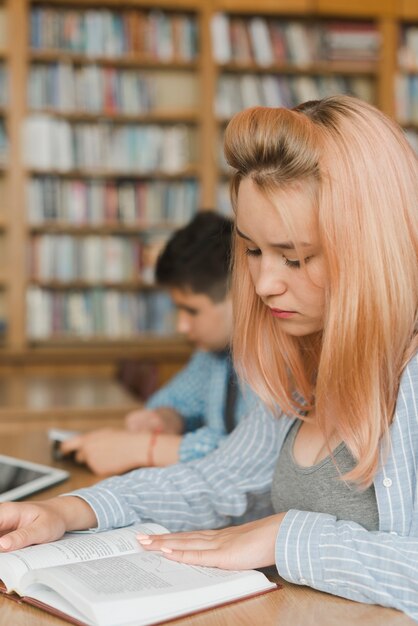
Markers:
72,548
119,589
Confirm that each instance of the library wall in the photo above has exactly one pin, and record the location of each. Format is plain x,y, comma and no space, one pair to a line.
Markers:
111,122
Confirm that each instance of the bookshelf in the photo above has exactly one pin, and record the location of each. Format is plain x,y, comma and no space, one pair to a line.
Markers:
280,59
406,80
4,168
85,208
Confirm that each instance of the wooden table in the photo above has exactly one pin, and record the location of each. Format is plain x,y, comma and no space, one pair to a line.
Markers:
37,402
291,606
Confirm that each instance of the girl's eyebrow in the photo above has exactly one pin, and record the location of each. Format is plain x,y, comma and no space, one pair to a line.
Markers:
283,245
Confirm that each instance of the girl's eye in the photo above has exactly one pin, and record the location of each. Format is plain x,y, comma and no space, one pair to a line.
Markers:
252,251
294,264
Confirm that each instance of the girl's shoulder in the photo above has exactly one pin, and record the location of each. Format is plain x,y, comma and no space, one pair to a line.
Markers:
409,376
407,402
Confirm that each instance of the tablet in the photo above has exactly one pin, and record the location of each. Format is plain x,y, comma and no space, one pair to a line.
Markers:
19,478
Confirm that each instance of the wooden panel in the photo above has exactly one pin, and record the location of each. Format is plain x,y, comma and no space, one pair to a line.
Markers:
264,6
40,402
354,8
387,61
119,4
407,9
16,233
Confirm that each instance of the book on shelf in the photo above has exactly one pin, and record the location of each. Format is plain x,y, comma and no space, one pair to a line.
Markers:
299,40
240,41
235,92
56,144
261,42
408,50
4,86
90,202
91,89
350,41
107,579
221,42
406,98
101,32
4,144
3,27
90,258
96,312
412,136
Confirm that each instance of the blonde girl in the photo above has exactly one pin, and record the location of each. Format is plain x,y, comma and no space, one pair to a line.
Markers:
325,304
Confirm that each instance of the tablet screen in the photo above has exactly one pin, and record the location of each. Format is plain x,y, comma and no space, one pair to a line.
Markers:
19,478
15,476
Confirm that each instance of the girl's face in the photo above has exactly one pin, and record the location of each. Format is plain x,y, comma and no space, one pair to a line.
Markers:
293,293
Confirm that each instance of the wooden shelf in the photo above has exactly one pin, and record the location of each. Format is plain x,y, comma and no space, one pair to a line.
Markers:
284,7
96,350
358,9
409,125
408,71
103,229
191,172
84,285
150,117
169,5
365,68
133,61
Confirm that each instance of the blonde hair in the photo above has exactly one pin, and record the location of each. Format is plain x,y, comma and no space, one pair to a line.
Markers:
364,174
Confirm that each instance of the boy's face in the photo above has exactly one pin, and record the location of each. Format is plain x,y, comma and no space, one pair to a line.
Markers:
206,323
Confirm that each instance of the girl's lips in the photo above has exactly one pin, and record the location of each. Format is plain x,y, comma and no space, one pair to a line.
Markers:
282,314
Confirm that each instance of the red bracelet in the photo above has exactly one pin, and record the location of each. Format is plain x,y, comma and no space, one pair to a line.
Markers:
151,446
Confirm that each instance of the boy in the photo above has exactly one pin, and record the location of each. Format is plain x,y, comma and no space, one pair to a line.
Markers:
189,416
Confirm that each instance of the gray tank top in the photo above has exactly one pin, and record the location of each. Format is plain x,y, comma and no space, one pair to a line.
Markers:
319,488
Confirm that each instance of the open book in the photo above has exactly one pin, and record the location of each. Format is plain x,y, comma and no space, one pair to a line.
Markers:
107,579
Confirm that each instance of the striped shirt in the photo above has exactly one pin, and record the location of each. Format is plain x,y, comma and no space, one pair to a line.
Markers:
233,484
198,394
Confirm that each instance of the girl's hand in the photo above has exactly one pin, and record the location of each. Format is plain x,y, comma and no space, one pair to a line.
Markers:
25,523
237,547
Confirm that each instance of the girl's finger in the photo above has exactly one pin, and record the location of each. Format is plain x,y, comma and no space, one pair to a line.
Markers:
187,535
197,543
205,558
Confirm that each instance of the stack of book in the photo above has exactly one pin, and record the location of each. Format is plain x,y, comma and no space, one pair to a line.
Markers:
267,42
95,202
88,258
102,32
97,314
107,90
56,144
236,92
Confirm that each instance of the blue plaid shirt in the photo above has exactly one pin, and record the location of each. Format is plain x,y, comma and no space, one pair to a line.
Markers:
198,394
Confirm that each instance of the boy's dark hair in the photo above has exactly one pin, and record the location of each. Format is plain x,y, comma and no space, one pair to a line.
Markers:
198,256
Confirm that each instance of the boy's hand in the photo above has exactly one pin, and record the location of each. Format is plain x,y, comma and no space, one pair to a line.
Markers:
25,523
112,451
163,420
109,451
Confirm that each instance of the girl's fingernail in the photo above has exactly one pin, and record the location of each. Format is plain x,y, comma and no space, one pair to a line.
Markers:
167,550
142,536
145,542
4,543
